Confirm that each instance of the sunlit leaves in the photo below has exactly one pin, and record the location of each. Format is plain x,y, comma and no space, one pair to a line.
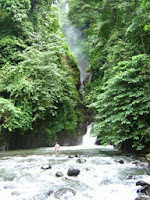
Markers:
124,107
38,73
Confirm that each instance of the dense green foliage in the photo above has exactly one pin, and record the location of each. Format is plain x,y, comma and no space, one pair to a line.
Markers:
118,36
38,75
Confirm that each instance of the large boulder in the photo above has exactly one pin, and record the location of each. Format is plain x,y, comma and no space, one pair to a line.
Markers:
73,172
64,193
145,188
142,183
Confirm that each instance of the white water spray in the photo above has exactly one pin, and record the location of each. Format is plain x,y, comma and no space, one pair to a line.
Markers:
88,140
75,40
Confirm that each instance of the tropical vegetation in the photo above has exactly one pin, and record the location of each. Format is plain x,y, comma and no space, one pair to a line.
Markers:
118,36
39,76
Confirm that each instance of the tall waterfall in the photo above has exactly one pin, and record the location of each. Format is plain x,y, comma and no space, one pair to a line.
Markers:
75,41
88,140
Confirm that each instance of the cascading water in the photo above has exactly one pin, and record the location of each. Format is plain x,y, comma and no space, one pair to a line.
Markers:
102,176
75,41
88,140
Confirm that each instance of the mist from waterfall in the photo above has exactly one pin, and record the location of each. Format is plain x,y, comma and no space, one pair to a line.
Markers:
75,41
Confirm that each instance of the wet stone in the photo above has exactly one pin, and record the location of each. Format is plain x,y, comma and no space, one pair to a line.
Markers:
81,160
9,187
73,172
59,174
130,177
142,198
135,162
65,193
142,183
48,166
71,156
121,161
15,193
50,192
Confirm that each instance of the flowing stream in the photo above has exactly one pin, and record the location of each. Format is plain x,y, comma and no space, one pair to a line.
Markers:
101,176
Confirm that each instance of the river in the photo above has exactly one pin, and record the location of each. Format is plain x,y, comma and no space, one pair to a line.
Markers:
106,174
102,176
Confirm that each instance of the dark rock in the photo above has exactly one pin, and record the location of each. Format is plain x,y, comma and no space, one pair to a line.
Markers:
130,177
135,162
121,161
9,187
65,178
144,190
145,187
87,169
59,174
81,160
48,166
50,192
73,172
142,198
65,193
142,183
15,193
71,156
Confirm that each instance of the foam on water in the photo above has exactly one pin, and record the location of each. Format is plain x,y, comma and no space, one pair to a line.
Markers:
101,176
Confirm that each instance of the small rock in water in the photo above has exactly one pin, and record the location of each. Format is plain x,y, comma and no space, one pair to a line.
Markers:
73,172
64,193
59,174
9,187
65,178
15,193
121,161
135,162
81,160
50,192
71,156
48,166
130,177
87,169
142,198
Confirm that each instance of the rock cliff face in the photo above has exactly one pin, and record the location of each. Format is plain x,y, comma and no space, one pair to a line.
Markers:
126,146
28,141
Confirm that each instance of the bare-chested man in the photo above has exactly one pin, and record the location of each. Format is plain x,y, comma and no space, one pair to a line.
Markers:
57,147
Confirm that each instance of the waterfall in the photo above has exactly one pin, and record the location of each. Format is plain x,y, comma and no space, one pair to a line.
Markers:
88,140
75,41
